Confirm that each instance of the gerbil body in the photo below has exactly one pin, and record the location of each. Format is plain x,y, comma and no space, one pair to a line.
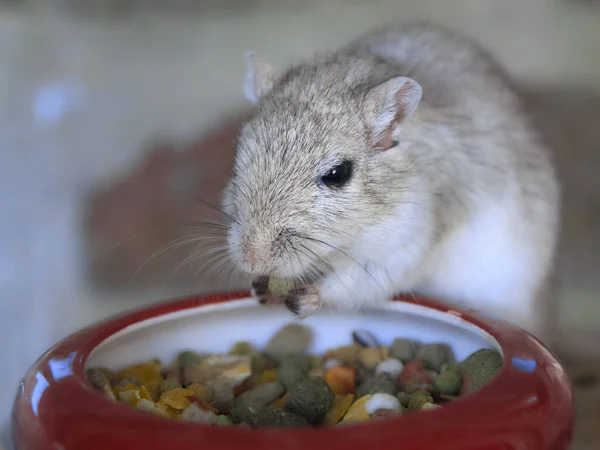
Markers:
401,163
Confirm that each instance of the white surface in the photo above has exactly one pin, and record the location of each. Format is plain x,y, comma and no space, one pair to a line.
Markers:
77,100
215,328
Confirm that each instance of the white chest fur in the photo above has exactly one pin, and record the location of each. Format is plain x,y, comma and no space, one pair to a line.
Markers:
488,264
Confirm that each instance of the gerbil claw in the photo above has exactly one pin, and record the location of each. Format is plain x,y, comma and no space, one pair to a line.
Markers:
271,300
304,301
293,304
260,291
260,287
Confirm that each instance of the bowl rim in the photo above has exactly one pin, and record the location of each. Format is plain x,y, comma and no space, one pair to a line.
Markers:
531,392
451,317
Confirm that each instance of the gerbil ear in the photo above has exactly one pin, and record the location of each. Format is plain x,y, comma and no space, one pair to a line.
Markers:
260,78
387,105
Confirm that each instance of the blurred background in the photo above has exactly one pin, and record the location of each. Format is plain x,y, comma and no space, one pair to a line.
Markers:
116,115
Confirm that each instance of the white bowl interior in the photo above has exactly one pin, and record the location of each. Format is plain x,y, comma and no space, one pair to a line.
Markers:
215,328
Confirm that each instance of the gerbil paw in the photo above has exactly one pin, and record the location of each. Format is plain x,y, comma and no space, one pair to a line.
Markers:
304,301
261,292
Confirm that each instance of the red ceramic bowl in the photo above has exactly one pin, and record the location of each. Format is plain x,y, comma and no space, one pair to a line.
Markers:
527,406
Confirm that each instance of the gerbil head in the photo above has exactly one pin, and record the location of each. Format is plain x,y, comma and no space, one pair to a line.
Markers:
317,164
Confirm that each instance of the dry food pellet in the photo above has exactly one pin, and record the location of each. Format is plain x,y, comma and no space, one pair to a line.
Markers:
177,398
286,386
382,402
385,414
243,415
338,409
101,382
381,383
168,384
268,376
341,379
480,367
188,357
403,349
172,373
330,363
275,417
418,400
242,348
430,406
365,338
220,395
414,378
293,339
316,372
369,357
223,420
391,366
280,402
199,391
194,413
449,381
128,381
292,370
434,356
311,399
260,396
403,398
357,411
347,354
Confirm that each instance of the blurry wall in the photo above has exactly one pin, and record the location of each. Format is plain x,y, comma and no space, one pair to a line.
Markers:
89,89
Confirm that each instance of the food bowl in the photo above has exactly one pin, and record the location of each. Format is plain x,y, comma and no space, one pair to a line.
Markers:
527,406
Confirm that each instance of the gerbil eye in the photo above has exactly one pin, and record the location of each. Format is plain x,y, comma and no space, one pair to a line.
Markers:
338,176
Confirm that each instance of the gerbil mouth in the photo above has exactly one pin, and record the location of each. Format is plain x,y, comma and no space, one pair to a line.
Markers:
279,284
310,274
288,255
309,258
299,274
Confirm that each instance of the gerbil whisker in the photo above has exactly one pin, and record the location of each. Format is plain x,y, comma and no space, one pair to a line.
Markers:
321,268
216,260
219,265
338,250
110,248
214,257
317,259
224,265
229,216
215,225
169,246
334,273
318,268
291,244
195,255
414,297
233,270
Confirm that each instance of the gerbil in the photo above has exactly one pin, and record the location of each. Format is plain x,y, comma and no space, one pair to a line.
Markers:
401,163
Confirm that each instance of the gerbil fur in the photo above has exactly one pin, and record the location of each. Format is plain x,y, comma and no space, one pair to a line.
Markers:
453,194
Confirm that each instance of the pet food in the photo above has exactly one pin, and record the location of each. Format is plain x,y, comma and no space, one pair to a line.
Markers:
285,386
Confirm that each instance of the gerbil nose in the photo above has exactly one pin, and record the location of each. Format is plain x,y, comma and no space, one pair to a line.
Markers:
256,254
250,256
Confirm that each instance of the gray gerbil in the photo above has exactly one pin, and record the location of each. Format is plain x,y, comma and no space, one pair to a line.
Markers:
401,163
